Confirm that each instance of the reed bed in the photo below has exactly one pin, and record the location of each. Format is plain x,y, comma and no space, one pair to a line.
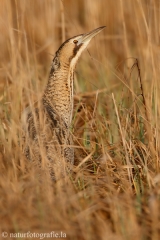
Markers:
113,191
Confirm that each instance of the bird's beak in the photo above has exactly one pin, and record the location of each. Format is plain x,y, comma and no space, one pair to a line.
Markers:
85,39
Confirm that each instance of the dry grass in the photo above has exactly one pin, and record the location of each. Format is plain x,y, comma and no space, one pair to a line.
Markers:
114,191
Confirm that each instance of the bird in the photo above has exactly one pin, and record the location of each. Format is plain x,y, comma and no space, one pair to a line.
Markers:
46,125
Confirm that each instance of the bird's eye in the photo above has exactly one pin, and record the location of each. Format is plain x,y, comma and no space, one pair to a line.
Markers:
75,41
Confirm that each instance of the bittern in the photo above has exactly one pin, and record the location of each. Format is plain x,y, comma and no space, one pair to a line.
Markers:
47,126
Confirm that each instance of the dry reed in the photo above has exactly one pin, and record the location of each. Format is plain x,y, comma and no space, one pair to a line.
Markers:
114,190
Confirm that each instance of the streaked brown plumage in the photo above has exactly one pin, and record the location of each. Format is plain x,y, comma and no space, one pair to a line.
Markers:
46,126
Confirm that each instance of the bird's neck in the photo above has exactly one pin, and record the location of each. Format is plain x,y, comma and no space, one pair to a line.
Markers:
58,95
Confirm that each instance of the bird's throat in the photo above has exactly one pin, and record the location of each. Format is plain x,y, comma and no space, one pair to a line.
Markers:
59,94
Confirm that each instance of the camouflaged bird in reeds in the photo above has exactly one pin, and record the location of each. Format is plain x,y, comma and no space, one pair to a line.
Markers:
47,126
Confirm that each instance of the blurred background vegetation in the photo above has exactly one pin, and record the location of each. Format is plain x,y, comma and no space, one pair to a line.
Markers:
114,192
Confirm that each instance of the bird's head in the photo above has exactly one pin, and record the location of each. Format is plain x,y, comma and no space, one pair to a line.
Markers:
71,49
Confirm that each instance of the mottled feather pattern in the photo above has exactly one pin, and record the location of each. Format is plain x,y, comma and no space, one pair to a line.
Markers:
48,138
46,127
